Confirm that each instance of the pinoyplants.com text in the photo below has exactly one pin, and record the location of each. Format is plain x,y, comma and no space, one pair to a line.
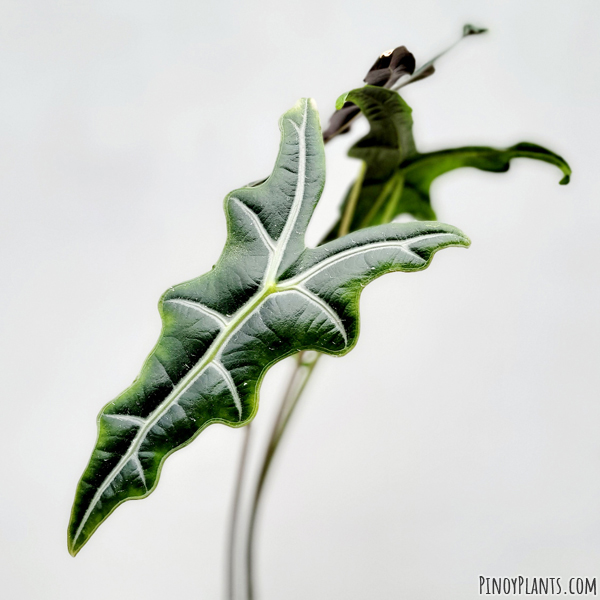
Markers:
528,586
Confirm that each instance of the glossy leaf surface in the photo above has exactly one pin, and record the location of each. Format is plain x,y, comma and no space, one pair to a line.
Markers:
398,178
267,297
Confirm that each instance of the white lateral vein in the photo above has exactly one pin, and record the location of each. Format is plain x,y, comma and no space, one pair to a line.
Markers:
264,236
336,258
128,418
140,470
325,308
218,365
217,316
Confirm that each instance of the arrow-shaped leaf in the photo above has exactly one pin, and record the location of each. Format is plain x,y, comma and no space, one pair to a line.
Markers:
267,297
398,178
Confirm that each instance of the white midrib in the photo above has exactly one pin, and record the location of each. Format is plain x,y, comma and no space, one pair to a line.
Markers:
284,238
236,320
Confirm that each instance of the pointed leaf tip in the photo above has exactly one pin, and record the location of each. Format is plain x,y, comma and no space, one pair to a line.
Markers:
339,103
71,546
469,29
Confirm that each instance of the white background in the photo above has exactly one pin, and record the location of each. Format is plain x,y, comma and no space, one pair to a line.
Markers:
460,438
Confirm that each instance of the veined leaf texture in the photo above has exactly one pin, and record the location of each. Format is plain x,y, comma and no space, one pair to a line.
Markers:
268,297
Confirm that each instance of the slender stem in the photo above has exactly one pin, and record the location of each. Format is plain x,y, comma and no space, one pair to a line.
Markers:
420,73
235,516
376,206
304,368
391,207
305,365
350,209
306,362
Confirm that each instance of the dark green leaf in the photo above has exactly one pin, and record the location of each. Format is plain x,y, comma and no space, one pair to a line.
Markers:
267,297
390,139
398,178
388,143
420,170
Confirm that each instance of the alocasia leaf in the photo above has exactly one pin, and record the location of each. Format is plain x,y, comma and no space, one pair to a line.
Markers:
420,170
267,297
389,142
398,178
390,139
